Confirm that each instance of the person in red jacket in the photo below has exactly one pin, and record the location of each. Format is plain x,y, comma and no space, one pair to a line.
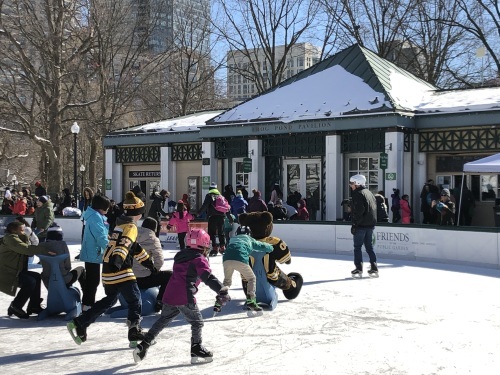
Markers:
20,205
405,209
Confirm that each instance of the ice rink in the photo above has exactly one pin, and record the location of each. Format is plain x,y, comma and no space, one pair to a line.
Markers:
417,318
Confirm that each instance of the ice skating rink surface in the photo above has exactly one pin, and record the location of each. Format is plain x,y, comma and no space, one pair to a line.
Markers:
417,318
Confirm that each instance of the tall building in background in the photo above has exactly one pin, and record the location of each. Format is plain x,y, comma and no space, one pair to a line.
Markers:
172,22
241,87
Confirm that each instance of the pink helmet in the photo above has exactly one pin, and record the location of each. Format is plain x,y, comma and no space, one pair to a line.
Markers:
198,239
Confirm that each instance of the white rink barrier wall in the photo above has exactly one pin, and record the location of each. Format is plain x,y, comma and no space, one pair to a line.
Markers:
457,245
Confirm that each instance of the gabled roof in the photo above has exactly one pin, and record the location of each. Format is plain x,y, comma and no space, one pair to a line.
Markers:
353,81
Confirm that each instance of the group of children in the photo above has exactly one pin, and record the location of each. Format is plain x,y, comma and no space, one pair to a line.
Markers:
190,267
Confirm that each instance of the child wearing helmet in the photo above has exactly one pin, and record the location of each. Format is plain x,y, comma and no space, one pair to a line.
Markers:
190,268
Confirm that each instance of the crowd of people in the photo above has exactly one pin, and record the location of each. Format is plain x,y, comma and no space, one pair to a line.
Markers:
124,258
439,206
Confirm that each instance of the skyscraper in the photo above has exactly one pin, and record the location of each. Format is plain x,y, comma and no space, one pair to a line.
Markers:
175,22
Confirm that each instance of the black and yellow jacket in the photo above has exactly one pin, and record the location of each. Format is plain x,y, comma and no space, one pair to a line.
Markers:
280,254
121,252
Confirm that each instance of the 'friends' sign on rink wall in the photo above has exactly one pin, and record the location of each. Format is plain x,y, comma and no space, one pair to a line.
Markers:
397,241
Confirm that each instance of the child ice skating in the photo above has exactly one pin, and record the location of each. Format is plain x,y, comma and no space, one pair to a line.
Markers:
236,258
190,268
180,219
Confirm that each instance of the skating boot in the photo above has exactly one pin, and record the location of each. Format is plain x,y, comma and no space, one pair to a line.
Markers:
77,332
200,354
214,251
140,351
135,334
222,249
253,308
357,273
373,272
19,312
158,305
217,308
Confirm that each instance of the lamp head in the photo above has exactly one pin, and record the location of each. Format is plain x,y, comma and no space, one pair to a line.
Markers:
75,129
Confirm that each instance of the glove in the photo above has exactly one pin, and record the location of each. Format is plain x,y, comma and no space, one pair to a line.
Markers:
223,296
288,261
353,229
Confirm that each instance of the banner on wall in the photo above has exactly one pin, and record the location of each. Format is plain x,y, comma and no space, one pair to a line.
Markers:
398,240
167,235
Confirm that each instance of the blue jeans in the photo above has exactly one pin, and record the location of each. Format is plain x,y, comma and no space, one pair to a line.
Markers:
192,315
130,292
363,236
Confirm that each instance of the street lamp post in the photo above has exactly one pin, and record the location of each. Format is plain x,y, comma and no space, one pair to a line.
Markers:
75,129
82,169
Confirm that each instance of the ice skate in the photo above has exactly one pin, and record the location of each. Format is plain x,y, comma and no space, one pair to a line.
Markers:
135,334
78,333
253,309
214,251
20,313
199,354
373,272
217,308
357,273
222,249
140,351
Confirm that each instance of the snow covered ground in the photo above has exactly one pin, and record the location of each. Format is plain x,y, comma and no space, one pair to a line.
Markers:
417,318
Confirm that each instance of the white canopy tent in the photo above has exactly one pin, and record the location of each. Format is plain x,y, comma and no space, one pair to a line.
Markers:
489,164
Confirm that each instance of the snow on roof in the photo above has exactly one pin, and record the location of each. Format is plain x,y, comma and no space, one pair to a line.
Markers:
328,93
407,92
185,123
480,99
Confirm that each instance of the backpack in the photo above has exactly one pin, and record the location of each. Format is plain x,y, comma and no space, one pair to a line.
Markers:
221,204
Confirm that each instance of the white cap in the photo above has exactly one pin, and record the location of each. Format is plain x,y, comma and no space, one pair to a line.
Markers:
358,179
213,185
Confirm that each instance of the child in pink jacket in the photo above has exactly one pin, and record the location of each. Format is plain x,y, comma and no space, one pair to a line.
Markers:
405,209
180,219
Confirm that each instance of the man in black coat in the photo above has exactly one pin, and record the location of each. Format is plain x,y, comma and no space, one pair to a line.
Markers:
364,218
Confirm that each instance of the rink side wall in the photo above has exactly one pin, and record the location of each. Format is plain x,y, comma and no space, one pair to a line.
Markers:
457,245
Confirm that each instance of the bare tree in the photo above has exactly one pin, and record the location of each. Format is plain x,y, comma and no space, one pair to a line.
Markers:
119,64
42,49
480,19
254,29
187,81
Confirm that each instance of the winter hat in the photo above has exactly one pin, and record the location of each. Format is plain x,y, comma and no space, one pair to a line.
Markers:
38,183
54,233
445,192
213,185
150,223
43,199
239,184
132,206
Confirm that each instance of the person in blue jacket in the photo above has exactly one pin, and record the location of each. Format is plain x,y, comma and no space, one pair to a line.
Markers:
95,241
